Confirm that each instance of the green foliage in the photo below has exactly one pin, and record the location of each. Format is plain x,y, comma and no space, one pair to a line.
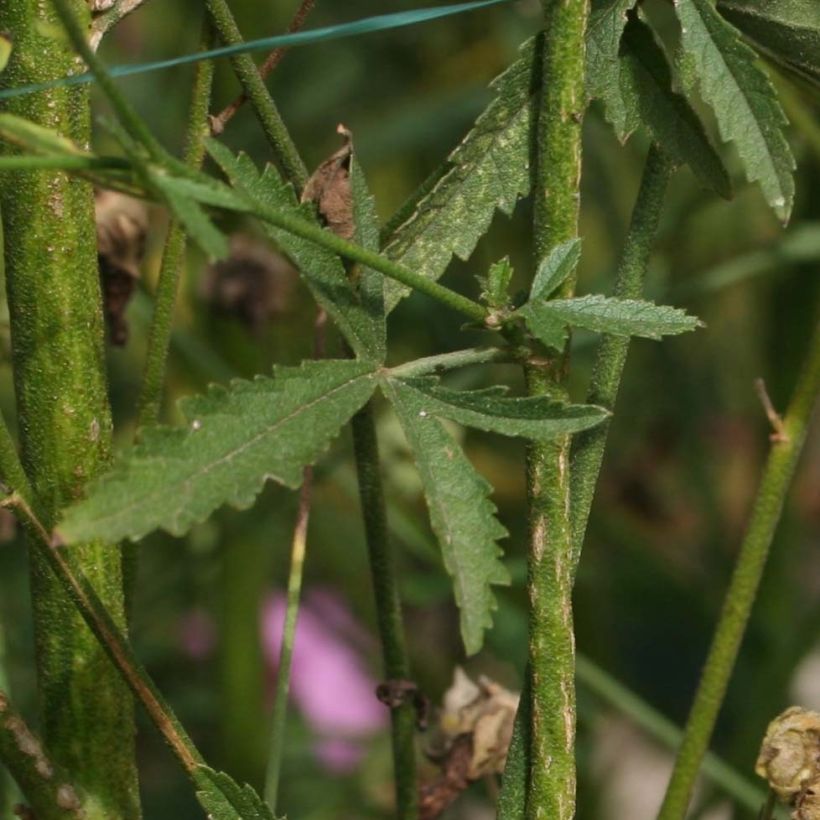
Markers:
559,264
535,417
787,30
619,317
495,286
462,515
488,171
235,439
748,113
35,138
360,319
224,799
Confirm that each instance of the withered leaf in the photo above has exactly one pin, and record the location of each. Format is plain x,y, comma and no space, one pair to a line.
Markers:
329,188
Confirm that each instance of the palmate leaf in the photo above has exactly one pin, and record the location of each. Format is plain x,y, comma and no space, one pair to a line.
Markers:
619,317
224,799
461,513
534,417
714,59
488,171
786,30
235,439
359,317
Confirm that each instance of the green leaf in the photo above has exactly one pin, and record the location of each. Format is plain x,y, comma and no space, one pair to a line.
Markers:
787,30
489,171
535,417
495,286
741,95
224,799
358,317
603,65
6,46
512,799
672,122
36,139
235,438
619,317
461,513
559,264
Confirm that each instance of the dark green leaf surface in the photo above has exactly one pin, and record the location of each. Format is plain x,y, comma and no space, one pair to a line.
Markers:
787,30
489,171
620,317
224,799
235,439
559,264
358,317
535,417
461,513
746,107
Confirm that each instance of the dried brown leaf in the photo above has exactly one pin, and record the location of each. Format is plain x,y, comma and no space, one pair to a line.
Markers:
329,188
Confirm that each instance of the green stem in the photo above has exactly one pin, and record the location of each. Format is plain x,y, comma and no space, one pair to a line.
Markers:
443,362
550,791
55,307
254,87
62,163
47,790
740,597
388,606
588,446
173,254
280,704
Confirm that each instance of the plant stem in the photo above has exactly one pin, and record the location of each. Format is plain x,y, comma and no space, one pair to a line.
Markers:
254,87
740,597
56,321
443,362
62,163
388,606
173,254
47,790
550,792
588,446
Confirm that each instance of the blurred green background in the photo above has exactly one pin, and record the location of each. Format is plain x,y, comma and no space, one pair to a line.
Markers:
686,448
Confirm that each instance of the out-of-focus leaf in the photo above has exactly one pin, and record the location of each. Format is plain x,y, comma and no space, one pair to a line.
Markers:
714,59
620,317
461,512
235,439
36,139
488,171
5,49
559,264
512,800
359,319
224,799
536,417
787,30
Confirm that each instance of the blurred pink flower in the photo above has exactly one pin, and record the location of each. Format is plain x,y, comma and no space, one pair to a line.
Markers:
197,634
329,682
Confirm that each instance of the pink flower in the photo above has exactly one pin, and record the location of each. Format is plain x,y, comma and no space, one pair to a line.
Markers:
329,682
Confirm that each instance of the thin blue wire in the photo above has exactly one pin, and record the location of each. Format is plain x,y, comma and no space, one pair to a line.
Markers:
381,22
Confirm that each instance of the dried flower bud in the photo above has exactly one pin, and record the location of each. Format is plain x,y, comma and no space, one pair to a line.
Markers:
790,754
122,223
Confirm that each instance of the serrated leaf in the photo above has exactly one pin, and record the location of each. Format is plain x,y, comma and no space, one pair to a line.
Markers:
495,286
489,171
224,799
742,98
535,417
603,67
559,264
619,317
236,438
787,30
672,122
359,319
461,513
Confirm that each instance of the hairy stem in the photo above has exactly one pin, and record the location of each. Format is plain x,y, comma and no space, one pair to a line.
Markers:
550,792
588,446
743,587
388,606
254,87
57,340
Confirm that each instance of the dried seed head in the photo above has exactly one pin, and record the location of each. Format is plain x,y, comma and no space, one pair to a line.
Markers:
790,753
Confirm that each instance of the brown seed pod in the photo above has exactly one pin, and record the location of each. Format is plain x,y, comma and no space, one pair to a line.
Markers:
790,753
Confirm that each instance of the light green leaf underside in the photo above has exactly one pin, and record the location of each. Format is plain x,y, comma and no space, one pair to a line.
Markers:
745,105
461,513
788,30
489,171
358,318
619,317
535,417
224,799
234,440
559,264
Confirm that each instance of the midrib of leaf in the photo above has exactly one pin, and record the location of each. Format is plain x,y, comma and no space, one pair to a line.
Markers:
726,72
